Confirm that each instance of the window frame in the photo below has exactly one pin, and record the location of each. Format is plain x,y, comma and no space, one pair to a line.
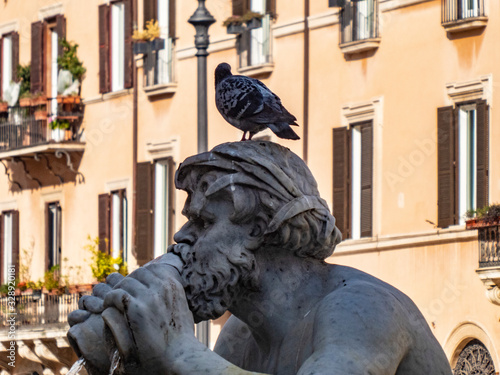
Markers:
350,31
53,238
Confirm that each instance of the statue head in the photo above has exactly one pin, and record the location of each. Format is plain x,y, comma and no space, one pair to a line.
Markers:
268,193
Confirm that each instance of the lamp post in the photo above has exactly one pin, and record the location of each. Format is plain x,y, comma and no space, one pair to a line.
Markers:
201,20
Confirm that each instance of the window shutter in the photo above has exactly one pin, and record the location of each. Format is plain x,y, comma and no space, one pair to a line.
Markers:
1,248
144,213
1,78
37,38
171,18
366,179
15,55
271,8
129,51
482,148
240,7
104,223
150,11
341,181
446,167
104,76
15,241
61,32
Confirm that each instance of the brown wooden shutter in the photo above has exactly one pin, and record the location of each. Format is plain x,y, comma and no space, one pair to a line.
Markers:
37,65
61,32
240,7
15,241
366,178
129,51
1,248
446,167
104,223
150,11
271,8
104,63
341,180
15,55
171,200
144,213
1,70
171,18
482,153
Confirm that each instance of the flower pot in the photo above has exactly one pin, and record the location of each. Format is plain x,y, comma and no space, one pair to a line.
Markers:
72,99
235,29
157,44
40,115
58,135
141,47
40,100
254,23
4,107
25,102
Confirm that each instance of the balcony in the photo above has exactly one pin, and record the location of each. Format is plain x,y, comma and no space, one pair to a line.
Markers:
31,135
359,26
489,260
463,15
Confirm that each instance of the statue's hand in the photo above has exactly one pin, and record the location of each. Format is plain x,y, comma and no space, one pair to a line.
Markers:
87,331
147,313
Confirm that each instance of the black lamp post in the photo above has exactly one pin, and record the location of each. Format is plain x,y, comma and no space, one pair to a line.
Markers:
201,20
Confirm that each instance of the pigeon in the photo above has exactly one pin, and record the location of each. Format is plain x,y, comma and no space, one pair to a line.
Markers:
247,104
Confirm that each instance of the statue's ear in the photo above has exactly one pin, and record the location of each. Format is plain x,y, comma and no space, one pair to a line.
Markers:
256,235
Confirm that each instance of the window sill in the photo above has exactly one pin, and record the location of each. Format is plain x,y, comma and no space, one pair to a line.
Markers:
159,90
359,46
257,70
465,24
116,94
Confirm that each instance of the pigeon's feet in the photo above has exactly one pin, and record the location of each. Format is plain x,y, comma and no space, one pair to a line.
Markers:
243,138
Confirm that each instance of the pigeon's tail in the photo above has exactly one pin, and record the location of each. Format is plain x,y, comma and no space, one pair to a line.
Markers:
283,130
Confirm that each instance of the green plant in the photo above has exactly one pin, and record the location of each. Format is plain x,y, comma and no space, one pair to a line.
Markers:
52,278
233,20
104,264
24,77
250,15
151,32
59,124
70,61
35,285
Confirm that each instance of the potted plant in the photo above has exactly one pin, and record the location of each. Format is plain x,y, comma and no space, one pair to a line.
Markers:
234,25
487,216
69,99
149,39
253,20
24,77
38,99
25,99
40,114
59,128
4,106
69,60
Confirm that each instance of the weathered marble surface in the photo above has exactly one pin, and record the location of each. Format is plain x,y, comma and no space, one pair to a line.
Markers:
254,244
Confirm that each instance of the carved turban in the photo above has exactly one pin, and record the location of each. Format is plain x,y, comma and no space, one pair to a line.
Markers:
269,167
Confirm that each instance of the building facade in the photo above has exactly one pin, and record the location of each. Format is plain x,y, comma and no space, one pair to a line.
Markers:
397,105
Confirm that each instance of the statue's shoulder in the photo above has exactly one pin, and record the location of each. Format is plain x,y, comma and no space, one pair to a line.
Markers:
234,341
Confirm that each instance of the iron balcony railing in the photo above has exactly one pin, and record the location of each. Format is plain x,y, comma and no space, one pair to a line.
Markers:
35,310
458,10
489,246
28,126
359,21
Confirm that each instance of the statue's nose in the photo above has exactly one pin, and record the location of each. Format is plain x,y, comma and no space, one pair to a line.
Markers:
185,235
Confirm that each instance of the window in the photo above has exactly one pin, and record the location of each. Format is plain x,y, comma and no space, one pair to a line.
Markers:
359,20
115,46
158,67
53,225
353,179
45,49
462,10
254,46
113,223
155,208
9,60
9,244
463,161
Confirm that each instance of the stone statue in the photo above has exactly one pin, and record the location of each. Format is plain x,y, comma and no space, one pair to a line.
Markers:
254,244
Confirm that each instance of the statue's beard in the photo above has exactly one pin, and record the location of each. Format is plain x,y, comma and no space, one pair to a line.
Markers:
212,282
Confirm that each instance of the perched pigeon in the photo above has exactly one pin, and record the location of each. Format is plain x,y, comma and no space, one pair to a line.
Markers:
249,105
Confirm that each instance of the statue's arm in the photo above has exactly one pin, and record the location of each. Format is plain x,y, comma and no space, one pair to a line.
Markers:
358,330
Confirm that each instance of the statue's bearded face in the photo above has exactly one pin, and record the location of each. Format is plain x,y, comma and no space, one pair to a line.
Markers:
217,266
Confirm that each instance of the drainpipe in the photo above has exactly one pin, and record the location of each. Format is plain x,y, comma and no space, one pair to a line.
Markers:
134,137
305,136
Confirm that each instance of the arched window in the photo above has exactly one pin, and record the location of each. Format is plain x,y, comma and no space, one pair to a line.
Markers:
474,360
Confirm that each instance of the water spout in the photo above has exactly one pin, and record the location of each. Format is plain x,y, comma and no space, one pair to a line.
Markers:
77,367
115,361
